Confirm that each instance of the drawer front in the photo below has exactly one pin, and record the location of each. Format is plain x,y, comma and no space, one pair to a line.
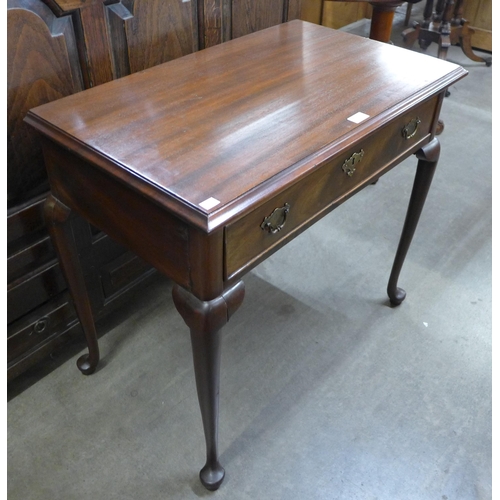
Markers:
25,220
27,294
32,256
28,244
36,328
268,227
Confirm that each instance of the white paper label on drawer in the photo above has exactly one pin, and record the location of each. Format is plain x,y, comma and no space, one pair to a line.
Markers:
358,117
209,203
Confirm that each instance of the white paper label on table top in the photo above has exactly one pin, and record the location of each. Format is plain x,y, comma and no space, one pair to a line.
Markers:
358,117
209,203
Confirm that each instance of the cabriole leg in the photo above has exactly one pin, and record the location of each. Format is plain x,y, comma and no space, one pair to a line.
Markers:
428,157
205,321
57,220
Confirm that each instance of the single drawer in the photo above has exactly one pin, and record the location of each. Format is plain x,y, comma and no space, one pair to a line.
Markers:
25,220
30,291
42,324
33,255
267,228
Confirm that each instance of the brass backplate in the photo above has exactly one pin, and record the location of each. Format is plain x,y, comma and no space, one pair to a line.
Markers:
349,165
411,128
275,222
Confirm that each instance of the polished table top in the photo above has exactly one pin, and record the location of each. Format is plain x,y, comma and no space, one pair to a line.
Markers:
222,123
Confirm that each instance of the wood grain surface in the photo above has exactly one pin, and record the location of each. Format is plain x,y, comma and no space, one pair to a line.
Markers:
257,111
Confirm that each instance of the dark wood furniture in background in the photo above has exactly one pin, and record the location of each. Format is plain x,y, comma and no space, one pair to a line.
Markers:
338,13
57,48
207,165
383,17
480,17
444,25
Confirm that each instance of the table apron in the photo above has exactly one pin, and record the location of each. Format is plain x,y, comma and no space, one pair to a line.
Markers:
131,219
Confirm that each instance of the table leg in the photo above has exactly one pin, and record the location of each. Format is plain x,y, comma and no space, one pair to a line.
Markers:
464,35
205,320
428,157
382,18
57,217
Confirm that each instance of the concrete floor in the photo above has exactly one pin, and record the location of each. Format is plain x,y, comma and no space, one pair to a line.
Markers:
327,392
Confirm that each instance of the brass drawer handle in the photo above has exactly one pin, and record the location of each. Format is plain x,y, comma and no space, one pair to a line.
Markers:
411,128
349,165
274,223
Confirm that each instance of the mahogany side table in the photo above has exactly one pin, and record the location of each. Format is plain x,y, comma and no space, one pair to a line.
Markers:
208,164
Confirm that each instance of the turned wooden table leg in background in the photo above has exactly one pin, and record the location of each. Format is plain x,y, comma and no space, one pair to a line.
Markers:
428,157
57,217
205,320
382,18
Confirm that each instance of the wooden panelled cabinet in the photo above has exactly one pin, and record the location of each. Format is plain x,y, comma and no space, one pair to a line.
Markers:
60,47
479,14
